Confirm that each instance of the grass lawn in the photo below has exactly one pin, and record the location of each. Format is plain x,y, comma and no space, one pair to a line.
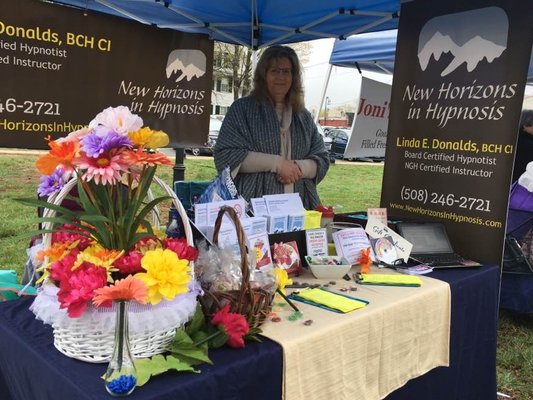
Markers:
349,187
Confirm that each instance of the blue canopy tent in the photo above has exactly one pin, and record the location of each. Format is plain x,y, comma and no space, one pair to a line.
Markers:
254,23
375,52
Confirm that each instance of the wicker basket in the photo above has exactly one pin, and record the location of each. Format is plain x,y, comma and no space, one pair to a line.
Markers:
90,339
254,303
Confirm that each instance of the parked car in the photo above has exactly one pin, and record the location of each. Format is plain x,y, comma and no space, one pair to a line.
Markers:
214,128
327,140
339,139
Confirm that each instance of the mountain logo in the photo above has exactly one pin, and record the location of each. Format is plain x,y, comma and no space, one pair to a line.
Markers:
470,37
188,63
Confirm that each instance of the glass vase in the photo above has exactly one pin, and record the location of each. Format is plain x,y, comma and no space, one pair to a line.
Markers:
120,377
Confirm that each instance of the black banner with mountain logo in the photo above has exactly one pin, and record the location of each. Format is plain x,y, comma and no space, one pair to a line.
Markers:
456,101
61,67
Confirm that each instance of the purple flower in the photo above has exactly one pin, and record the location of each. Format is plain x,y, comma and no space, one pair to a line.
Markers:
96,143
52,183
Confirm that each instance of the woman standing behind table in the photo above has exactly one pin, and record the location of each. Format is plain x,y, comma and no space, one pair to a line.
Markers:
269,139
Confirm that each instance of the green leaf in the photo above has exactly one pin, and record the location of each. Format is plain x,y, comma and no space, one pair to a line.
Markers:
45,204
158,364
181,337
219,340
92,218
191,354
253,335
197,322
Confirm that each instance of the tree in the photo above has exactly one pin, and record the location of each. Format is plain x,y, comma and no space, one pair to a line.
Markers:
235,62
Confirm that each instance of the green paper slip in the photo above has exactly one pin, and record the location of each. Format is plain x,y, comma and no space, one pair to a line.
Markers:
389,280
331,300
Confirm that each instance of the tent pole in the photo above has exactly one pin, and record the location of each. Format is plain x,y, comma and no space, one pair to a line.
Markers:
323,95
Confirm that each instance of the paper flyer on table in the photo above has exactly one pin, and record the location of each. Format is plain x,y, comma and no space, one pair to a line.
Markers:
317,242
213,208
259,206
377,230
283,203
349,243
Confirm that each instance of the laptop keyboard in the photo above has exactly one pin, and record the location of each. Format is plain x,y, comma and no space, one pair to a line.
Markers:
440,259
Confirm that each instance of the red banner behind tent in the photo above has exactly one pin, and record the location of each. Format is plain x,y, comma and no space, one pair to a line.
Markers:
61,67
456,100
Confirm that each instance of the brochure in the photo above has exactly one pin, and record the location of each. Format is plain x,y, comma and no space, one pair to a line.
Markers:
261,249
317,242
349,243
284,203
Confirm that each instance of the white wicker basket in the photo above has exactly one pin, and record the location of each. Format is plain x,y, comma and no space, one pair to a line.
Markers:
90,338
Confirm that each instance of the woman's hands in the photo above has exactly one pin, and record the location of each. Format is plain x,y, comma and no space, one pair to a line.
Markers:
288,172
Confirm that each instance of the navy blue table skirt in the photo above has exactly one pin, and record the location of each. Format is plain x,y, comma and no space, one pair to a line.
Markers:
517,293
32,369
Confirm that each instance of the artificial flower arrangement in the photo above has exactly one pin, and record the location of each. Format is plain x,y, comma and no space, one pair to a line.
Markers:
108,237
97,181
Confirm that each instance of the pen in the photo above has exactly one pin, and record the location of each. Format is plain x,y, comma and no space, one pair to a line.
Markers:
287,300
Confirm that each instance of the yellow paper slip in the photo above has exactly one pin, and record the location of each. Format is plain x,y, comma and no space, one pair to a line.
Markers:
331,300
389,280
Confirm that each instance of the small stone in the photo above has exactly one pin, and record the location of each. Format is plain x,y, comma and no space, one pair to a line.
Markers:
315,286
275,319
295,316
343,289
308,322
332,282
325,285
353,289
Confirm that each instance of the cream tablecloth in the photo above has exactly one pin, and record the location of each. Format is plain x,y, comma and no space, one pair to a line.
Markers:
366,354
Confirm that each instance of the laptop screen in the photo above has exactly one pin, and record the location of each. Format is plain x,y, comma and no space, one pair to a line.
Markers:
427,238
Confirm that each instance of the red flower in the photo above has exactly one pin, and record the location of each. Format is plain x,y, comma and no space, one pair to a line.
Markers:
181,248
233,324
76,291
129,263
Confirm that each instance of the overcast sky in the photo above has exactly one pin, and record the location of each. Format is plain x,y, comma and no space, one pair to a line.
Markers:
344,83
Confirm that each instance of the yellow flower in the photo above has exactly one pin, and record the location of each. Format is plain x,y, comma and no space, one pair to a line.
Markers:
100,257
282,278
166,275
147,137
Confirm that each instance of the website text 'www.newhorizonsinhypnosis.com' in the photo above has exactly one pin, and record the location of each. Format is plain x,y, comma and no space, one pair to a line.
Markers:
449,215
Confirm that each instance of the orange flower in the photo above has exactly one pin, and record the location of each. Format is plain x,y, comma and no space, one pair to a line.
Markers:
132,157
57,250
61,153
365,260
129,288
364,256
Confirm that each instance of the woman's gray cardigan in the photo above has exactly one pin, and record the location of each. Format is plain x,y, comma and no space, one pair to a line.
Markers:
253,126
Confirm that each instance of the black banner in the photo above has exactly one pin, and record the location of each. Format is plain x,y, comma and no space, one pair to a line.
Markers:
60,68
456,100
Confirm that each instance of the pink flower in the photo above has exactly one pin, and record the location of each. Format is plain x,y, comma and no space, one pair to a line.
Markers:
69,237
233,324
104,169
129,263
181,248
61,270
76,291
